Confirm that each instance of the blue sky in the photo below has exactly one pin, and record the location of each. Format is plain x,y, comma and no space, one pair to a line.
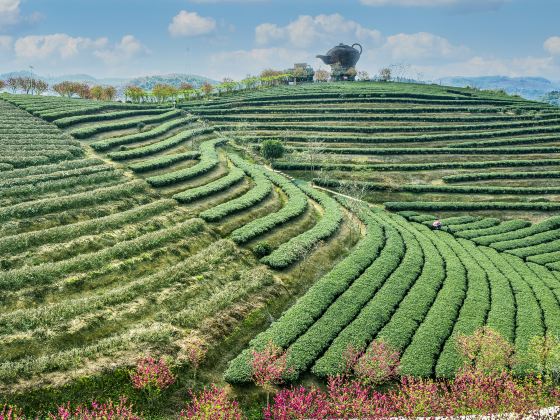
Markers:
219,38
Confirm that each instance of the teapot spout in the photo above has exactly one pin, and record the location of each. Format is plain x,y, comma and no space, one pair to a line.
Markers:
326,59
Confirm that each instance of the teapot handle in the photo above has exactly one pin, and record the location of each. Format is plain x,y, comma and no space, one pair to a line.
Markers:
358,46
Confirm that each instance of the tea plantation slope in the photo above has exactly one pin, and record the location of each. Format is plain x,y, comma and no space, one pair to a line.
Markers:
408,146
417,289
185,159
96,265
538,242
104,255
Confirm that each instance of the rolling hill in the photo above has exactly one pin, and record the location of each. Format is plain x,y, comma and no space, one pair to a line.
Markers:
133,228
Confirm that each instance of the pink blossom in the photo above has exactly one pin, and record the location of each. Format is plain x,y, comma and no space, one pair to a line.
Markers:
211,404
96,411
10,412
152,375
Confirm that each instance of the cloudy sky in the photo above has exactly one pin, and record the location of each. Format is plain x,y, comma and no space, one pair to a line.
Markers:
219,38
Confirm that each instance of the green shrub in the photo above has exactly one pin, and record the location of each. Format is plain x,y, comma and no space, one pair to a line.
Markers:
262,249
272,149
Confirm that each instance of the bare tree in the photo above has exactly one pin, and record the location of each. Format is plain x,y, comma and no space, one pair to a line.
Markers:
109,93
26,84
315,153
207,88
399,71
322,75
363,76
358,192
304,254
12,84
41,86
385,74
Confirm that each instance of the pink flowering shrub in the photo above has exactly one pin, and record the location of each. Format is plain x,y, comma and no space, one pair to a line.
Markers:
380,363
10,412
298,402
211,404
96,411
195,352
348,398
417,397
472,392
486,350
269,367
152,376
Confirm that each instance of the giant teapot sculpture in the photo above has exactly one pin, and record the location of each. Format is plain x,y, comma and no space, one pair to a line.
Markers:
344,56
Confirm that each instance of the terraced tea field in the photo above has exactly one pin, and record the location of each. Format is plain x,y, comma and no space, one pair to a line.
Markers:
410,147
128,241
129,229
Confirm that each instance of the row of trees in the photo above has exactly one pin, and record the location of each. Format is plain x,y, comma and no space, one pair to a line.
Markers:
28,85
267,78
34,86
186,91
84,91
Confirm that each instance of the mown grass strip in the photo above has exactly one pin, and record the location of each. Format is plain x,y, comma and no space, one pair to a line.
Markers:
79,119
297,203
51,205
161,162
466,206
160,146
444,189
428,166
50,272
86,132
261,190
293,250
234,176
208,161
142,136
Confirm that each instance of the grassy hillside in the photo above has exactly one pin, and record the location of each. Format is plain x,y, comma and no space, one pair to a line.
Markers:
135,229
100,264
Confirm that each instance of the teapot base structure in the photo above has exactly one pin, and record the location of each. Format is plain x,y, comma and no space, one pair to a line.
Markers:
342,59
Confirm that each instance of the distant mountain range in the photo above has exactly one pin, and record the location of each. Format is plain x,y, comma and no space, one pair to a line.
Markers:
528,87
146,82
173,79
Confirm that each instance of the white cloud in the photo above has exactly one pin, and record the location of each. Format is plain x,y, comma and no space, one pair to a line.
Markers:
9,12
308,30
61,45
127,48
191,24
422,45
5,43
492,66
64,46
9,6
552,45
462,6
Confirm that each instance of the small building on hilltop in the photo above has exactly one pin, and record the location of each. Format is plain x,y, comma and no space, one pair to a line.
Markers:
301,73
